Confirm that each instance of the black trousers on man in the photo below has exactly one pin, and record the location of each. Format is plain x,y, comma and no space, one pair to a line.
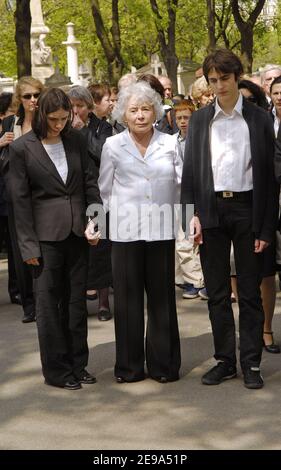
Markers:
60,294
149,266
235,224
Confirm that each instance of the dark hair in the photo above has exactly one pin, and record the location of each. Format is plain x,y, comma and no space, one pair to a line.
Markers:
223,60
50,101
276,81
5,101
98,91
259,97
154,83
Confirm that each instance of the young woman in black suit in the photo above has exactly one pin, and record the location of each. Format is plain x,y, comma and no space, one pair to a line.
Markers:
49,169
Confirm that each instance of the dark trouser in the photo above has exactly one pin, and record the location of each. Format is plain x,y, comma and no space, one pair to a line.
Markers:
151,266
60,293
235,224
24,278
5,235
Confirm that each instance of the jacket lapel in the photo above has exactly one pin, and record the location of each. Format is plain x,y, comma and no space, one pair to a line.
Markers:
36,148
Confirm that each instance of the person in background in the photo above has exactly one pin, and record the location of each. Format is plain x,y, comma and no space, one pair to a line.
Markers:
140,171
49,168
116,126
167,84
201,93
6,110
188,270
27,92
100,271
268,74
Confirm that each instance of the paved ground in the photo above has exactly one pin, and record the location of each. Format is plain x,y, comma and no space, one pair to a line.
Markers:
144,415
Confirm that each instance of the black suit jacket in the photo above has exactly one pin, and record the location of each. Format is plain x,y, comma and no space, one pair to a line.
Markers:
197,179
45,208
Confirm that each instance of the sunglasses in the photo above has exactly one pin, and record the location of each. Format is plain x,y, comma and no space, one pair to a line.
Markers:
28,96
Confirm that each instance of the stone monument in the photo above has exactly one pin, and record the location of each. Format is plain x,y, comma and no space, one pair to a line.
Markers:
41,54
72,54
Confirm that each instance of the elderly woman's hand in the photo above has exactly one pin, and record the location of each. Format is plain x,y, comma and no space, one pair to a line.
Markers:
6,139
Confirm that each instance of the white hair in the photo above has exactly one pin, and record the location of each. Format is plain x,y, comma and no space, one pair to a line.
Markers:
143,93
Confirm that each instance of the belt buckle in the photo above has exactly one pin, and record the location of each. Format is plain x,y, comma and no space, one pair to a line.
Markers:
227,194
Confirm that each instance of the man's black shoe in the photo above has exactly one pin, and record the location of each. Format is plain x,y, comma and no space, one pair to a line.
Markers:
253,378
28,317
16,299
86,378
222,371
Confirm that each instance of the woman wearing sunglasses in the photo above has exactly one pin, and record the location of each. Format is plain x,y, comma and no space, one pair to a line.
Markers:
25,99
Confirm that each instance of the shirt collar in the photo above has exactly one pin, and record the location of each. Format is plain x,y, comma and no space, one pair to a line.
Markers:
237,108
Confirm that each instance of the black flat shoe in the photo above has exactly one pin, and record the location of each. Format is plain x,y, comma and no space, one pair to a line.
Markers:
86,378
120,380
104,315
164,380
271,348
29,318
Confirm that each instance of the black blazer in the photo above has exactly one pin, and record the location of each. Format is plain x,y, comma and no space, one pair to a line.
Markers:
45,208
197,180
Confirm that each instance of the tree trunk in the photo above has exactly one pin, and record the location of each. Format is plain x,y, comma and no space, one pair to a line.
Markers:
167,39
22,37
111,46
211,25
246,29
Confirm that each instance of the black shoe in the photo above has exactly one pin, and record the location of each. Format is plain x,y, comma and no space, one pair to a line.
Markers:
28,318
222,371
86,378
70,385
104,315
16,299
271,348
164,380
120,380
253,378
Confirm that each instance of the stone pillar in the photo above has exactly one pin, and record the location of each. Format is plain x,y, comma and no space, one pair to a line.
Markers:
41,55
181,88
72,54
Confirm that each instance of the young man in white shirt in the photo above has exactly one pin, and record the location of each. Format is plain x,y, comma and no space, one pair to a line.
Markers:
228,177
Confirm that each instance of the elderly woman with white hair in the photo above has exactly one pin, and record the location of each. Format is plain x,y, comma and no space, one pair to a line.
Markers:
139,178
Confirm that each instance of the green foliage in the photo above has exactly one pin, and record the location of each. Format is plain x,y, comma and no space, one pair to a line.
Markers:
138,32
8,63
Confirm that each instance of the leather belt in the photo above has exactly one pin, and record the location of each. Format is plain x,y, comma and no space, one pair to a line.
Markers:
239,196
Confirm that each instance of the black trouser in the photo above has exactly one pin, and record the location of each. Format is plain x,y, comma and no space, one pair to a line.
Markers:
24,278
235,224
5,235
151,266
60,294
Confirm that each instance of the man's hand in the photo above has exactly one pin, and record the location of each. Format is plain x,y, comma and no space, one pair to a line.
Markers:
260,246
195,231
33,261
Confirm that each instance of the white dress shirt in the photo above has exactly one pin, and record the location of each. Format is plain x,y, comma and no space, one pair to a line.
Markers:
56,153
276,122
134,187
231,150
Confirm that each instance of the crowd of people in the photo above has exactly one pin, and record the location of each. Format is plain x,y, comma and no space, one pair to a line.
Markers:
180,191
